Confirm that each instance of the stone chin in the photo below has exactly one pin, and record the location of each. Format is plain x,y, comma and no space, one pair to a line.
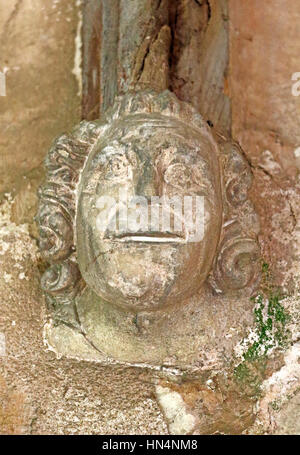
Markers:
147,276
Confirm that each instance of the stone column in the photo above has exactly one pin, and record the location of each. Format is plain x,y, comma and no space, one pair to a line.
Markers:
181,45
125,45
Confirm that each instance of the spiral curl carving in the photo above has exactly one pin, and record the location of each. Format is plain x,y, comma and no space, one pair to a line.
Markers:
56,210
237,265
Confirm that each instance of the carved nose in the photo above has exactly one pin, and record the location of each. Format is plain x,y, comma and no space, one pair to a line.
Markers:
146,185
148,190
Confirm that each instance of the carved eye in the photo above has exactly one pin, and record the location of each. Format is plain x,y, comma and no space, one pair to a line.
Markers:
178,175
117,166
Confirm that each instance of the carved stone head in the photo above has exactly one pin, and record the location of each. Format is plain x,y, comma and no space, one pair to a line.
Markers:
148,147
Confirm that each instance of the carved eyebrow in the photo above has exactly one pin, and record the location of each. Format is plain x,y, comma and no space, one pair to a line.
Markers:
101,158
110,150
179,159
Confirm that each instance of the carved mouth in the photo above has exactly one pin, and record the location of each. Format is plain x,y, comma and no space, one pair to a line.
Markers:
149,237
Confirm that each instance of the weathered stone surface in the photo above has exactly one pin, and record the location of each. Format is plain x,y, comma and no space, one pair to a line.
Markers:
264,49
37,53
135,34
155,71
288,421
180,45
211,406
278,407
199,58
42,394
91,58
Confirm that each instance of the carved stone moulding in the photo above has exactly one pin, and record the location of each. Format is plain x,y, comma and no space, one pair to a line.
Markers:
143,297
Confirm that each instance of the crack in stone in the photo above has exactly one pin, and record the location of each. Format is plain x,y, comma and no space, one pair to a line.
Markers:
147,52
95,259
198,2
178,16
276,183
208,11
159,2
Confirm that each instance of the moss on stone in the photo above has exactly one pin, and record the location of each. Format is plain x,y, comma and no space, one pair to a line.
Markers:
270,332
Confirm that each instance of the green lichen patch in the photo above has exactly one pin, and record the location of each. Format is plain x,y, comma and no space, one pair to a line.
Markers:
270,327
270,333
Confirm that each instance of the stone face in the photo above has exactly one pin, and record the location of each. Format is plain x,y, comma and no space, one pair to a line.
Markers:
147,265
143,289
